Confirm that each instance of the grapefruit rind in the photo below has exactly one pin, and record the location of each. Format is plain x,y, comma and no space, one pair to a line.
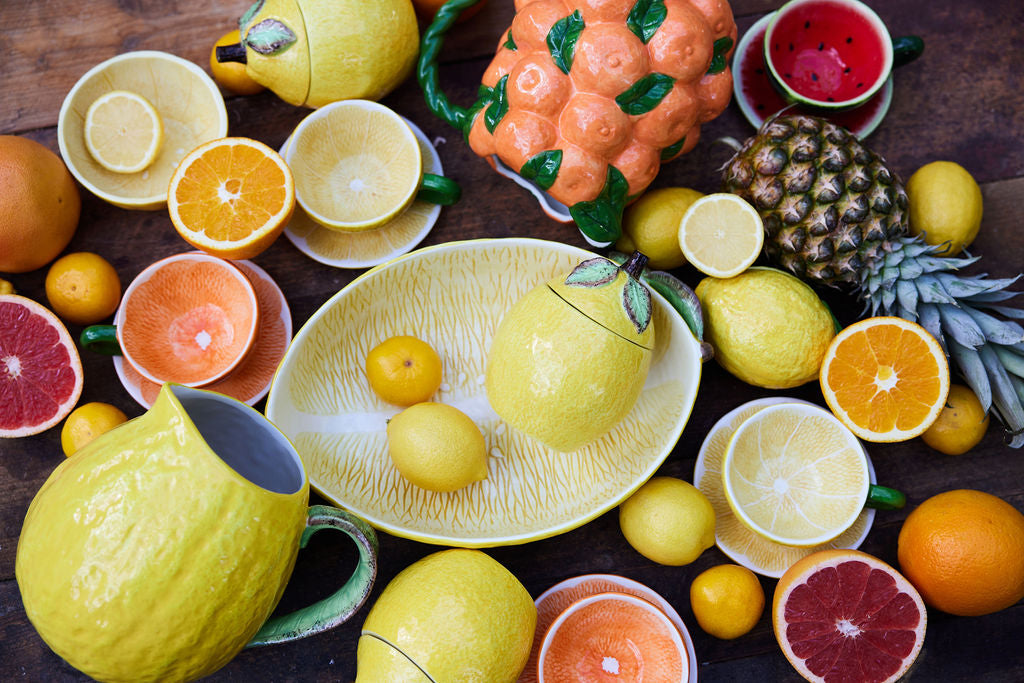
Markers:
63,404
804,570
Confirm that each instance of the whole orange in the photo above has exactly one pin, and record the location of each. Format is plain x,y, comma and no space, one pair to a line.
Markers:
964,551
39,205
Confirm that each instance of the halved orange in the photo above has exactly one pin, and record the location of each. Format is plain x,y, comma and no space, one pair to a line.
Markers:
843,615
885,378
612,636
231,197
40,370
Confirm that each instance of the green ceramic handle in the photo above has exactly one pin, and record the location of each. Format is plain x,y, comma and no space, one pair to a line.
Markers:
100,339
906,49
338,608
426,69
884,498
436,189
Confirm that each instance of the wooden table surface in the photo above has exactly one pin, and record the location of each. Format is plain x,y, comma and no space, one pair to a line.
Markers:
963,100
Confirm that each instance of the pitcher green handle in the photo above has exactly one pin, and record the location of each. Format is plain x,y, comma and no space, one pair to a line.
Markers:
100,339
426,69
906,49
339,607
884,498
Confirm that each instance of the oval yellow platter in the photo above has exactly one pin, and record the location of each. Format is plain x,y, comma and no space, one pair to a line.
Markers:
453,296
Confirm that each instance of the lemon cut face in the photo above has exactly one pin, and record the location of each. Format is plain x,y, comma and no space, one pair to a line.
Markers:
123,131
796,475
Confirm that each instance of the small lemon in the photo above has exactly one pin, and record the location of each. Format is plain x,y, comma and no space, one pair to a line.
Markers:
767,327
727,600
668,521
86,422
6,287
403,370
651,226
945,204
437,447
83,288
961,424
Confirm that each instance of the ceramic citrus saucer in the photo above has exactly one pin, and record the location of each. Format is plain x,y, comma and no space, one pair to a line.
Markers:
370,247
759,100
733,538
250,381
453,297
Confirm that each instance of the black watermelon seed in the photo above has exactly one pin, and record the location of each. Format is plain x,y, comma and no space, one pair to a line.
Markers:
849,39
791,47
807,24
821,46
759,71
831,99
860,85
814,76
846,70
759,107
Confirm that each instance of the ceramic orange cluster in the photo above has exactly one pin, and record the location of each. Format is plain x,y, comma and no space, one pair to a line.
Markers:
580,89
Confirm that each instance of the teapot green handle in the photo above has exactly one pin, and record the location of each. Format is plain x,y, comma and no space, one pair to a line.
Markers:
884,498
339,607
436,189
906,49
426,69
100,339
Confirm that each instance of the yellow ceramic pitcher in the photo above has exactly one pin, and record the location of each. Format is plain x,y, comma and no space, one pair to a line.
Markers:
160,549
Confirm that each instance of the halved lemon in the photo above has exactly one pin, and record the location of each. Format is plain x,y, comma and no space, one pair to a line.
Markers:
357,165
231,197
721,235
795,474
123,131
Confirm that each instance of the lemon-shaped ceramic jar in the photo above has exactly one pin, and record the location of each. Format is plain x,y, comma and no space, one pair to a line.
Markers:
569,359
313,52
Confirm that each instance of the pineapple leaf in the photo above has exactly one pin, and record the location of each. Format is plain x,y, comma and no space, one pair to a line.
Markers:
961,326
1017,438
929,319
995,330
963,288
906,293
269,37
973,371
1004,397
987,297
594,272
931,291
910,270
562,40
636,299
1009,312
1013,363
645,18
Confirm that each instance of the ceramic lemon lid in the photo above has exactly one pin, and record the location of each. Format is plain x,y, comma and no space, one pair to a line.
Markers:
276,48
611,295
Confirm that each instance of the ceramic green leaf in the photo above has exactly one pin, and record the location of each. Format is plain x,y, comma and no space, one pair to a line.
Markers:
673,149
645,94
510,44
645,18
721,47
249,14
562,40
269,37
543,168
499,105
595,272
636,299
601,219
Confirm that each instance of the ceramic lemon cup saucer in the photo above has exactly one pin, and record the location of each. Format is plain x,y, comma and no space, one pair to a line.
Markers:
454,295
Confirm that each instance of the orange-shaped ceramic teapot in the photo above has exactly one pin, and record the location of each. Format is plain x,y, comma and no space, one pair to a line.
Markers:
587,98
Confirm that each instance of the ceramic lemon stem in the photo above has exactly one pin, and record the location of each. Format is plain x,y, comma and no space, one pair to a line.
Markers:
588,105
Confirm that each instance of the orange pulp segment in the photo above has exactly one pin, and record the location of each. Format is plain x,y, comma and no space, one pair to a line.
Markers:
231,197
886,378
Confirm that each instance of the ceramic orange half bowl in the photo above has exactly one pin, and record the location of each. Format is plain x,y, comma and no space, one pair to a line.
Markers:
189,319
612,636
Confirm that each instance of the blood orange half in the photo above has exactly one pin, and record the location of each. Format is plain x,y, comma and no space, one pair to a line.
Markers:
844,615
40,371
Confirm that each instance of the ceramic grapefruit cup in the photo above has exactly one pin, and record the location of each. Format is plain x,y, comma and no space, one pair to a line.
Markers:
188,319
614,636
832,54
160,550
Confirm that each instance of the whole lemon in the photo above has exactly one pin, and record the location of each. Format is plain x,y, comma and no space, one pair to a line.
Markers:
457,615
668,521
767,327
86,422
437,447
945,205
651,226
727,600
961,424
83,288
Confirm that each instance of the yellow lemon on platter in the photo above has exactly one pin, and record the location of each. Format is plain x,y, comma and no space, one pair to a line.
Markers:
403,370
944,201
569,360
727,600
437,447
668,521
455,615
767,327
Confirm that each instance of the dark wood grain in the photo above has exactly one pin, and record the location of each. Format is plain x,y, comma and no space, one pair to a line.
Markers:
963,100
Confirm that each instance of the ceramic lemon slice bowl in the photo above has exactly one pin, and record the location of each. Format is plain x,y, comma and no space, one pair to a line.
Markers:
453,296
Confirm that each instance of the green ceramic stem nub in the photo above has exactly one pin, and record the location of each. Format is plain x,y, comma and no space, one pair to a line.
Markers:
437,189
231,53
100,339
906,49
337,608
885,498
426,68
